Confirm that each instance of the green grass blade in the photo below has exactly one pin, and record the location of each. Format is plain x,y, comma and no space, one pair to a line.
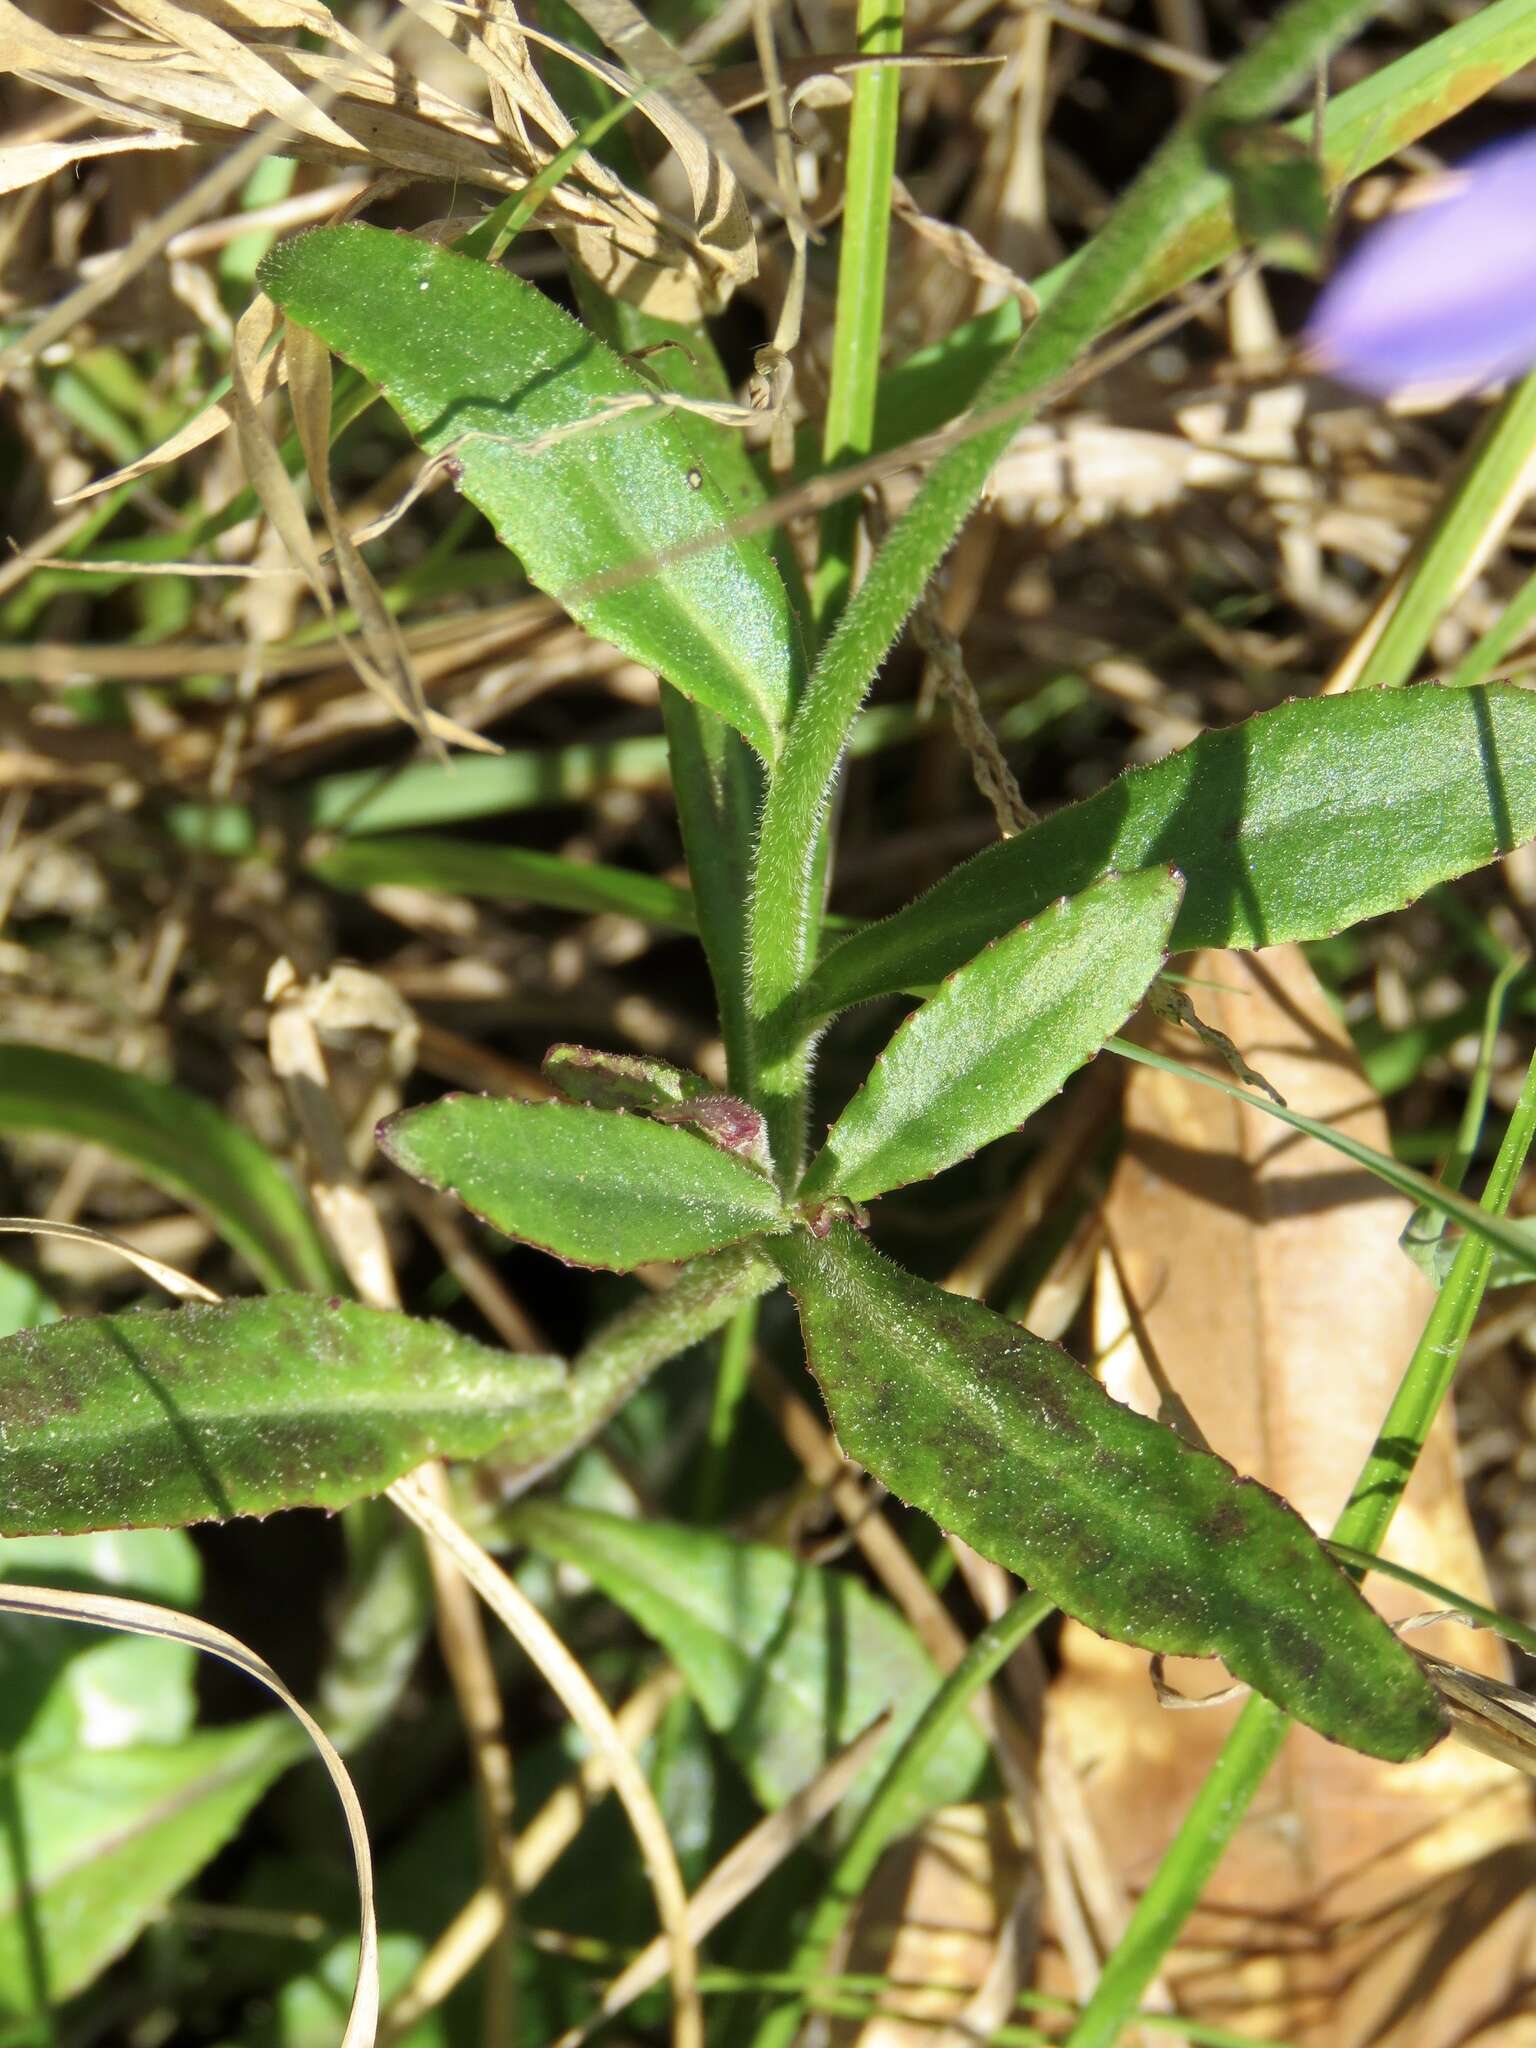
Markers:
1487,655
181,1143
1494,482
1361,128
1487,1226
504,874
1424,1233
424,793
985,1657
1504,1625
1183,1874
1428,1379
863,260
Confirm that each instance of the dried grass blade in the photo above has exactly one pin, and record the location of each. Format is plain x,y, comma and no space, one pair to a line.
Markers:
738,1873
720,215
389,668
28,163
386,666
652,58
540,1845
24,44
584,1704
171,1278
238,64
211,420
1488,1715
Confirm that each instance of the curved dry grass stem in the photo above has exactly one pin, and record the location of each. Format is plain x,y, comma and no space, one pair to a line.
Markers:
142,1618
171,1278
587,1709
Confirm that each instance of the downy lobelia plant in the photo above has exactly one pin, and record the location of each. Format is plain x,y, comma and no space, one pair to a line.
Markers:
1023,963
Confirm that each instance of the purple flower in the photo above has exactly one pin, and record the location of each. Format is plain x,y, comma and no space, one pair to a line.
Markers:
1443,294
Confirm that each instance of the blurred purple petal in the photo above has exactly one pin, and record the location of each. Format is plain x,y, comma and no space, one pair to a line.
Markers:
1444,293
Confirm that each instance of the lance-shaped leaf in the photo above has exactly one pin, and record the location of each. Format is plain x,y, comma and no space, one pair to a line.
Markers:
787,1660
1008,1442
593,1186
195,1414
1292,825
481,365
1000,1037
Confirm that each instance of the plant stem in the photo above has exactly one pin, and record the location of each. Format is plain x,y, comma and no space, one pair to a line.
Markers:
862,261
784,1048
786,904
622,1354
1425,1384
1493,484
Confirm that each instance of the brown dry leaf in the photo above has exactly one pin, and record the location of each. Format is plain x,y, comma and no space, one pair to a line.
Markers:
628,33
27,163
721,237
195,73
939,1913
383,661
389,669
1253,1278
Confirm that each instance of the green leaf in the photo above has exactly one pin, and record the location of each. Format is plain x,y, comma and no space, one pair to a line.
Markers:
1008,1442
179,1142
593,1186
195,1414
461,348
63,1688
23,1302
504,874
717,781
620,1080
787,1660
97,1842
1279,202
1292,825
1001,1036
